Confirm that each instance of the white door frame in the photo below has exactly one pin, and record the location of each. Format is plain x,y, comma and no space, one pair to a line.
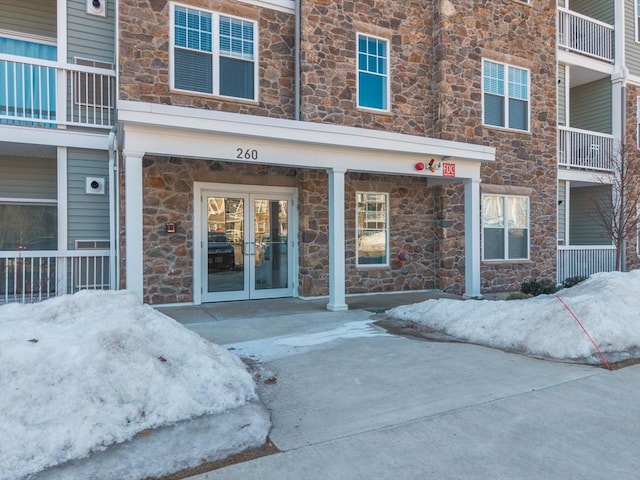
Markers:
199,229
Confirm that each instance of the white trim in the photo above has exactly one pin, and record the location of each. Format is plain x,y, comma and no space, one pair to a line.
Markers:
506,96
506,228
215,54
337,269
472,246
287,6
386,229
62,198
579,60
61,13
133,222
190,122
28,37
54,137
387,74
27,201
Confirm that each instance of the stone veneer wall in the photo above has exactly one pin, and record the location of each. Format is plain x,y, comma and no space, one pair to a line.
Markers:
633,97
144,57
328,63
523,35
411,227
168,194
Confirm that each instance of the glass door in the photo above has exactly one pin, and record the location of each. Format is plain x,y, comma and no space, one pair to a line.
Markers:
246,247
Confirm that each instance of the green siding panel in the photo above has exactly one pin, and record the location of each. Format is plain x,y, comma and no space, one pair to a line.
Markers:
562,211
28,178
90,36
37,17
603,10
590,106
632,45
88,214
562,79
585,228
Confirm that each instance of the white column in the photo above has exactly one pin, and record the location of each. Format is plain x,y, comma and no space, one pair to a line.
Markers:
62,281
472,238
336,241
133,254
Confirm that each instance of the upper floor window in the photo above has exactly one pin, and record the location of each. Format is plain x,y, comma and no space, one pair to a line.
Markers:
505,227
372,228
505,95
373,72
214,53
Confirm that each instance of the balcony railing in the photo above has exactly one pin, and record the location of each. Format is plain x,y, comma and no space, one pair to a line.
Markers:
47,94
574,261
585,35
33,276
584,149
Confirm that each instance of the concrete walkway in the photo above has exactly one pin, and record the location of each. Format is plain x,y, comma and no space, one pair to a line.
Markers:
352,401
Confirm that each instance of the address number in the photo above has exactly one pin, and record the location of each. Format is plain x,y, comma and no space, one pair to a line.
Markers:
246,154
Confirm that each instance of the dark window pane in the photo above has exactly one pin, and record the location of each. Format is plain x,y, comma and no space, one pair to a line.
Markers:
193,71
518,242
518,114
29,227
236,78
493,243
493,110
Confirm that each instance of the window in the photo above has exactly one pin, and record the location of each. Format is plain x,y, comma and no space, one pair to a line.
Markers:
372,228
214,53
505,105
505,227
373,73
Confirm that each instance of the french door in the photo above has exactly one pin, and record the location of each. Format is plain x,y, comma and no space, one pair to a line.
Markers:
247,241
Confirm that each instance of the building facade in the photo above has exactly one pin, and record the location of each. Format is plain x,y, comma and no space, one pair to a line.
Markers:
270,148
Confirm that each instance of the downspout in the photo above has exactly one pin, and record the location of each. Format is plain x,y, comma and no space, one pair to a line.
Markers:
113,224
296,53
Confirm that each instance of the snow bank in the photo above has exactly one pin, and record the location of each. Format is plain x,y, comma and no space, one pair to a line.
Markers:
607,304
81,372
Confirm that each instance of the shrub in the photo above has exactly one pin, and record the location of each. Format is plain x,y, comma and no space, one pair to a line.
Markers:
537,286
571,281
518,296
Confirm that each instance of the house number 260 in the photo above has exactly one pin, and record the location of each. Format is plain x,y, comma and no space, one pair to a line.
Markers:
246,154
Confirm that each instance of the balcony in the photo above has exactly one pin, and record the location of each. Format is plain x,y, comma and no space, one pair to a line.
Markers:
33,276
576,261
587,36
584,149
43,93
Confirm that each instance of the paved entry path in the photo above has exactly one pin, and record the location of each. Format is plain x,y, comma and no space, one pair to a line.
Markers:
351,401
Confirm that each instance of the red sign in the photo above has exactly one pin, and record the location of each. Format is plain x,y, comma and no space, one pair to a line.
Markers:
448,169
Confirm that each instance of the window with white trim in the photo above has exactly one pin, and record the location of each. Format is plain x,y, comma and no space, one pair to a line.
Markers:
372,232
214,53
505,95
373,72
505,227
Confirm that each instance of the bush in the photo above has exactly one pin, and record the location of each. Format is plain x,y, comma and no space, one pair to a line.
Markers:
571,281
518,296
537,286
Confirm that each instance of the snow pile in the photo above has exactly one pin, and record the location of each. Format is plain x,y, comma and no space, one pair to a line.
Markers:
85,371
607,304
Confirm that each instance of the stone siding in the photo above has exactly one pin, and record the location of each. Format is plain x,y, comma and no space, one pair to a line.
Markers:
328,63
466,31
633,97
144,71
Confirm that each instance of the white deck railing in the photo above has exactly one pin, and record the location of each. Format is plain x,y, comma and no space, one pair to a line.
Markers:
574,260
46,94
584,149
33,276
585,35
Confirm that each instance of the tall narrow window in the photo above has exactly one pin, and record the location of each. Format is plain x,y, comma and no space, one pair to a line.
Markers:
505,95
373,73
214,53
372,228
505,227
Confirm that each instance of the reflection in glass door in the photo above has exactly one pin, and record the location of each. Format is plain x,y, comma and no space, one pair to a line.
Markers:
225,241
247,246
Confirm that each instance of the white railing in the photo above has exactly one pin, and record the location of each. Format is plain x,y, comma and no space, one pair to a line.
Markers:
584,149
47,94
585,35
33,276
575,261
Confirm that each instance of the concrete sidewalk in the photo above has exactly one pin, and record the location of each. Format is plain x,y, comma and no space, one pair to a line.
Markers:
352,401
